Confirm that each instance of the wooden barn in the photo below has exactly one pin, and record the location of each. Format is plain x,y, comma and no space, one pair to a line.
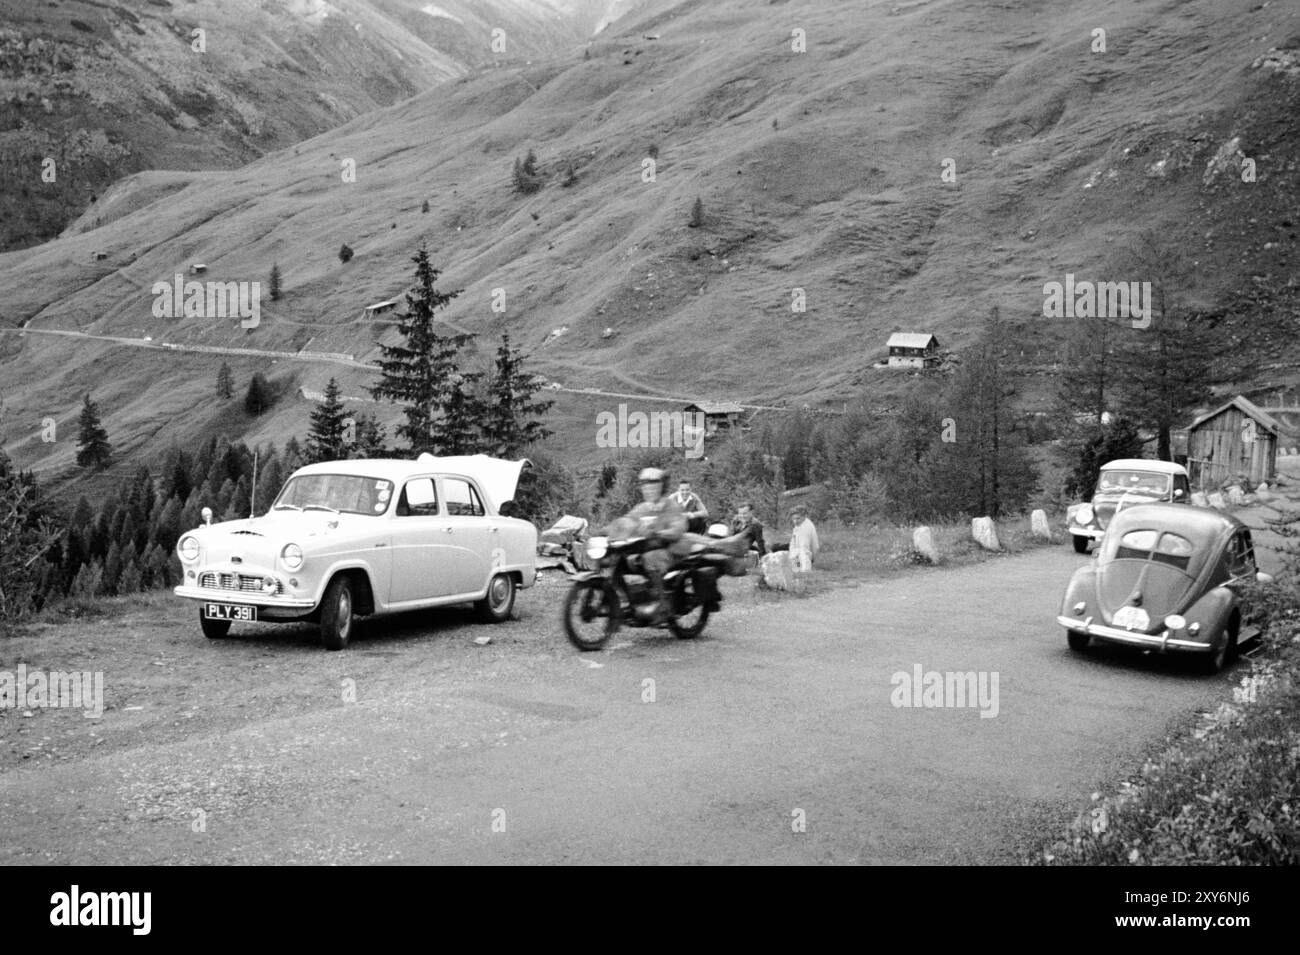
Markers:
1237,438
913,350
718,415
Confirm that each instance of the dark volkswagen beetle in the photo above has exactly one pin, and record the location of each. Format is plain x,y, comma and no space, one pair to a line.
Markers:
1167,577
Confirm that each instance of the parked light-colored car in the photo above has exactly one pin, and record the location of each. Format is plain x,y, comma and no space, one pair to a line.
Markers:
349,538
1121,484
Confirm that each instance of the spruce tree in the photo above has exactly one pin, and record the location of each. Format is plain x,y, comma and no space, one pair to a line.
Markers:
512,418
372,438
258,397
275,282
225,382
418,374
93,449
460,429
326,438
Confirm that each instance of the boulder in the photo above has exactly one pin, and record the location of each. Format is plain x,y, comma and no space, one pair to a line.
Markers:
1199,499
1263,493
1038,525
777,572
1236,495
985,534
923,544
1216,500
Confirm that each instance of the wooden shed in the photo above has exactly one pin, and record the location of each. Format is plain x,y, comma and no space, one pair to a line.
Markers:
1236,438
913,350
717,414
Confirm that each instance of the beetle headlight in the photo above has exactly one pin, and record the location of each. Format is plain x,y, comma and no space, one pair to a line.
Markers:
291,556
596,547
188,548
1175,622
1084,514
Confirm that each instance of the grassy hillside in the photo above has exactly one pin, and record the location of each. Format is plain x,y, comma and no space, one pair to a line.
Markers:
818,170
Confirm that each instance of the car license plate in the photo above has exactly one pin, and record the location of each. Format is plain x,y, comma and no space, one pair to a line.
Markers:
1132,618
229,612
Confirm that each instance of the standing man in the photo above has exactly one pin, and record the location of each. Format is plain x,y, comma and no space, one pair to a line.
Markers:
697,515
804,544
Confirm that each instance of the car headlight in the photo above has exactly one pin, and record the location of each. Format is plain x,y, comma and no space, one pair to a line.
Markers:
1175,622
188,548
597,547
1084,514
291,556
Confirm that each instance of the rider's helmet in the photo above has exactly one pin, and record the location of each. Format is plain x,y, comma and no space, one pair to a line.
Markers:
652,476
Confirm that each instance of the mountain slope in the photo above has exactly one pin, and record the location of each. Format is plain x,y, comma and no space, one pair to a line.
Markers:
818,171
107,89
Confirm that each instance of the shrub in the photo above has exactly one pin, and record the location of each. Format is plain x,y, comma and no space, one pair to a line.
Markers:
345,254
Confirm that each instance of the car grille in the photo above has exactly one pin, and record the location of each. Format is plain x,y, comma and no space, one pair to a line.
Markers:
238,582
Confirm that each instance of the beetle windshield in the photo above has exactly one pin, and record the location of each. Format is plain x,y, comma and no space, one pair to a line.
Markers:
1146,483
343,493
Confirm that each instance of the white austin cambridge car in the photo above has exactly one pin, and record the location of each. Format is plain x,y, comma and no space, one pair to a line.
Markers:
349,538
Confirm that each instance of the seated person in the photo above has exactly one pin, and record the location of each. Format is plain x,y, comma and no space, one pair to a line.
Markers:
804,543
746,522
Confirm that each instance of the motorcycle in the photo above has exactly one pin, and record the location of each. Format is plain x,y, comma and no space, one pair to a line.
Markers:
618,592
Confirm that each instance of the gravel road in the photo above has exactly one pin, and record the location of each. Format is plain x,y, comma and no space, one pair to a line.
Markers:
772,739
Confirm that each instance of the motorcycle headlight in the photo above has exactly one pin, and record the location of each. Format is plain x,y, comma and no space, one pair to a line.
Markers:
1175,622
1084,514
597,547
291,556
188,548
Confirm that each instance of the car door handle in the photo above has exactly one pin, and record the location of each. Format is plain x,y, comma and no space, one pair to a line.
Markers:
382,544
495,530
446,530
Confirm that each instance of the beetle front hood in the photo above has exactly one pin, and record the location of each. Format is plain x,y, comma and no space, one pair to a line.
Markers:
497,476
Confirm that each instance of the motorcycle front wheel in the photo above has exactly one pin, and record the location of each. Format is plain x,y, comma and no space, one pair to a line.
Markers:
591,614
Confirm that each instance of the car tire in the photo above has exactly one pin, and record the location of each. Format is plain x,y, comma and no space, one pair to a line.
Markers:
336,616
213,629
1078,640
1223,654
500,600
1081,544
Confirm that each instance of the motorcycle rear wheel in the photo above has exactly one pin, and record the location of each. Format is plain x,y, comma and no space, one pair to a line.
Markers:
591,614
689,625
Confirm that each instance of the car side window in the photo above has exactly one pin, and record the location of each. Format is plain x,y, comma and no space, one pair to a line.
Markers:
1180,484
462,499
419,499
1241,555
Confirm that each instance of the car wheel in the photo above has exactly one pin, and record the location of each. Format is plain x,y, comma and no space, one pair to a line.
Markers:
1223,654
336,614
213,629
1078,640
1080,544
500,599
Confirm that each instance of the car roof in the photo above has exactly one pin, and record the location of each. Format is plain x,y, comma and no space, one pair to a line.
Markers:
1188,519
394,469
1143,464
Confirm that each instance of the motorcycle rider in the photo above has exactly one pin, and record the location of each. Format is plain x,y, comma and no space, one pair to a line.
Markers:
661,520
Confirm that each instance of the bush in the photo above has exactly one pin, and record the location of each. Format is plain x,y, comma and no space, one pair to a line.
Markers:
345,254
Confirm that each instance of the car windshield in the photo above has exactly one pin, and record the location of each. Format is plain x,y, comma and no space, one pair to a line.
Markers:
341,493
1150,483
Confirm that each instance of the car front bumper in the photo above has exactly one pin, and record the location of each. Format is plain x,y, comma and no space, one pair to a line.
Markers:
1162,641
1096,533
245,598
